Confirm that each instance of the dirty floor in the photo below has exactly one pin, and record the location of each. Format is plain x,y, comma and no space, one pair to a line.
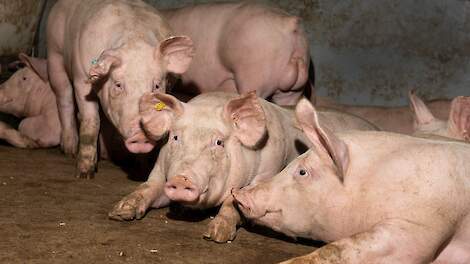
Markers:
48,216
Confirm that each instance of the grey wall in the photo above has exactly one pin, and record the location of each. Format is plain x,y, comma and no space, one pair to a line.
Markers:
374,51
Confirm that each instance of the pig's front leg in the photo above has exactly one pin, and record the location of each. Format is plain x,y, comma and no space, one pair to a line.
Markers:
404,242
63,90
15,138
89,130
148,194
223,227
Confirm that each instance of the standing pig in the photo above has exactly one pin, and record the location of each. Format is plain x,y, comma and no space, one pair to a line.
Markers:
216,142
456,127
112,51
27,94
242,47
393,119
380,197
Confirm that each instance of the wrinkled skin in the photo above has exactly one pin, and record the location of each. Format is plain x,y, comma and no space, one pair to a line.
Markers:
28,95
393,119
244,47
217,142
456,126
346,190
111,52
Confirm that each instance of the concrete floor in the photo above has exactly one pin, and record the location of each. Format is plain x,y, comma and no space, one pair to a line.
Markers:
48,216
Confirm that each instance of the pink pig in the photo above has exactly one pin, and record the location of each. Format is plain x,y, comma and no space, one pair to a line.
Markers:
242,47
394,119
457,126
376,197
108,53
27,94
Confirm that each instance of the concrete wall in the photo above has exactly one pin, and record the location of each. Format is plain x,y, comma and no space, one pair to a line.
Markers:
18,25
373,51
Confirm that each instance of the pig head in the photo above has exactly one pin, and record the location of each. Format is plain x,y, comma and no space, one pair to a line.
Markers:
285,202
27,89
206,142
120,77
456,127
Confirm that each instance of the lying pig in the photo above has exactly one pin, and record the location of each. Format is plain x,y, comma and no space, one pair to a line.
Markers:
242,47
457,126
378,197
111,51
216,142
27,94
393,119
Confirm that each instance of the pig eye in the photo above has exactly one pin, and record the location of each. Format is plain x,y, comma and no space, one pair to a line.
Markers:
219,142
303,172
24,78
156,87
175,138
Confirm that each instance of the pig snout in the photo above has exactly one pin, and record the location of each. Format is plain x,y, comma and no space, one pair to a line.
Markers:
139,143
246,204
181,189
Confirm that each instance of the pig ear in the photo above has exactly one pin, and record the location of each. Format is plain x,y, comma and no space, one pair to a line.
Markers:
101,67
321,137
248,119
39,66
158,110
459,117
177,53
422,115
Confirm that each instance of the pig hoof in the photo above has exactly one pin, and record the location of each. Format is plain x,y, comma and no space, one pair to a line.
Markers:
129,208
221,230
85,174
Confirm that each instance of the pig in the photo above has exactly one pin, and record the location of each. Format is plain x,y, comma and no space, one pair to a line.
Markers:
242,47
393,119
108,53
216,142
28,95
456,126
375,197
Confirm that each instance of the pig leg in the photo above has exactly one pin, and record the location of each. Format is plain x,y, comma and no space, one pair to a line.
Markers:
398,241
223,227
458,250
289,98
15,138
65,103
148,194
38,129
89,130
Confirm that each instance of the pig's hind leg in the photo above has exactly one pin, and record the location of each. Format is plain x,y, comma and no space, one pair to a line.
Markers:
15,138
223,227
398,241
458,249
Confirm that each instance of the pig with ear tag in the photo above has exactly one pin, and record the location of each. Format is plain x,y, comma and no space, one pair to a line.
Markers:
375,197
216,142
108,54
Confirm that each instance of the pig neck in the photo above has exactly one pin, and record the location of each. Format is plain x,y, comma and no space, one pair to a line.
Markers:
40,101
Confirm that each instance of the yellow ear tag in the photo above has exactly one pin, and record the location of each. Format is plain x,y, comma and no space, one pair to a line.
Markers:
160,106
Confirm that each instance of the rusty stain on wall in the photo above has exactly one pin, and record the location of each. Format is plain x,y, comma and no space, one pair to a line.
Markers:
374,51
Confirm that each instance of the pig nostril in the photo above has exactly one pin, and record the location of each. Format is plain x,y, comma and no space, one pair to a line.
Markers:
188,189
